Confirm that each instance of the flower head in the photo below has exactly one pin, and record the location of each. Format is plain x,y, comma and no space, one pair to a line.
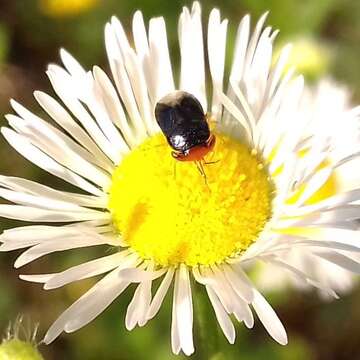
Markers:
326,107
248,201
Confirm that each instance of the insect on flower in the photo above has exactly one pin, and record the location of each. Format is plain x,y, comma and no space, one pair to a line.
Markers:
186,127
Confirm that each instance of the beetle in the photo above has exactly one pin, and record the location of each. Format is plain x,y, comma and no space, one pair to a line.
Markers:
185,126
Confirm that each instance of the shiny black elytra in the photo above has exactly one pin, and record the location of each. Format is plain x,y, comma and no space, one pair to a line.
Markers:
185,126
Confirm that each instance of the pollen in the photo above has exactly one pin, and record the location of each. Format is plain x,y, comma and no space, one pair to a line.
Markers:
167,212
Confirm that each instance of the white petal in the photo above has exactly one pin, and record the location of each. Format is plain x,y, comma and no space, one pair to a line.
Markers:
329,203
335,245
269,319
236,113
192,78
303,276
153,64
61,84
284,183
62,117
160,294
126,93
93,101
39,201
95,306
327,218
145,304
341,260
159,69
278,69
256,77
71,64
28,213
56,144
30,152
269,140
241,45
222,317
38,278
343,236
239,283
184,310
250,119
249,318
138,276
85,270
314,184
139,87
312,161
175,339
133,310
34,188
216,54
236,305
113,105
92,309
254,41
140,303
140,36
92,302
51,246
26,236
347,159
117,45
222,289
293,129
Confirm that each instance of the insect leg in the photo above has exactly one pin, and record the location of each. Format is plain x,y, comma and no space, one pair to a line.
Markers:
200,167
211,162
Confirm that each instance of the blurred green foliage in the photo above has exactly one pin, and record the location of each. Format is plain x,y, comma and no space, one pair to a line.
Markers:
4,43
29,40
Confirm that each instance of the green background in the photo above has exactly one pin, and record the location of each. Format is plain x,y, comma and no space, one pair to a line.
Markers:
29,40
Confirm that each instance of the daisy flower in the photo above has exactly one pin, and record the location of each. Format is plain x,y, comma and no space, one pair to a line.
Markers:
166,224
327,108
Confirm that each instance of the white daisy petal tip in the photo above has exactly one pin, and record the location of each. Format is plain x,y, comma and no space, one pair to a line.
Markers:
20,261
65,56
264,16
38,278
13,102
269,319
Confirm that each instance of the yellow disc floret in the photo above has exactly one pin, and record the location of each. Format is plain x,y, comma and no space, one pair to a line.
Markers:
166,211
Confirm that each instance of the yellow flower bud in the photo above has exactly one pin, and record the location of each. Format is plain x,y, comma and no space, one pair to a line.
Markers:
15,349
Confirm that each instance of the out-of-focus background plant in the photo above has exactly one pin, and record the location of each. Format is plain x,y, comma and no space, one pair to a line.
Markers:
326,37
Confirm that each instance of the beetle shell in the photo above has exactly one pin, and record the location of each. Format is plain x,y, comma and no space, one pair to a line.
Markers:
183,122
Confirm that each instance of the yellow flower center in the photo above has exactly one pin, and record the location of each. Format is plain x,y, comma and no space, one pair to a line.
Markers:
166,211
